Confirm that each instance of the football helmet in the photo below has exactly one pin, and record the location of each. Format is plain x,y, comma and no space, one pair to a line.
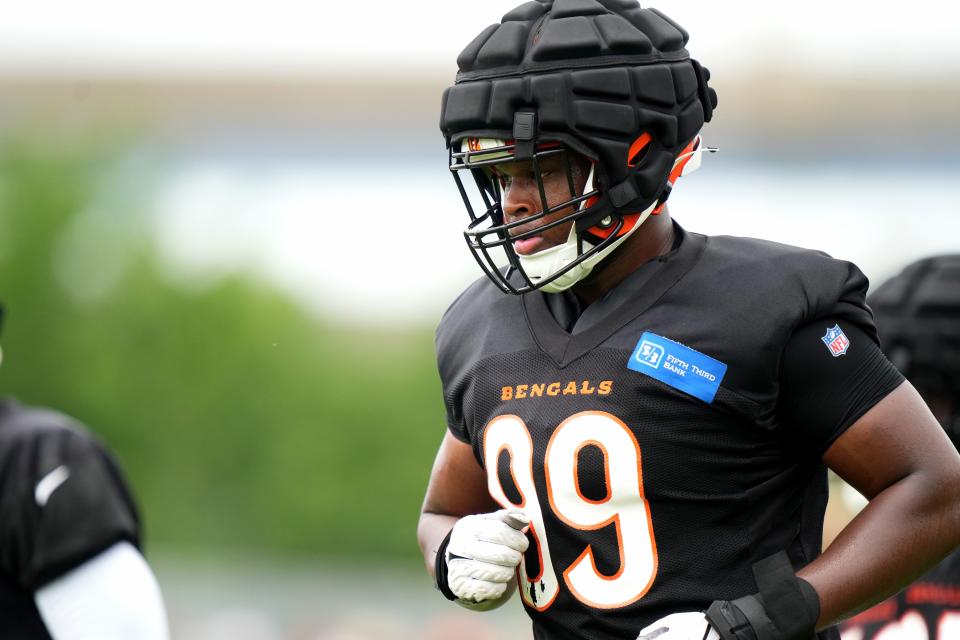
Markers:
606,80
917,313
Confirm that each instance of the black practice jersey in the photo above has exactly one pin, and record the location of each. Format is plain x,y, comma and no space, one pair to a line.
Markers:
653,450
63,500
929,609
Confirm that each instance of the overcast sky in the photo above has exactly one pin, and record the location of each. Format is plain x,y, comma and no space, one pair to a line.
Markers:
203,36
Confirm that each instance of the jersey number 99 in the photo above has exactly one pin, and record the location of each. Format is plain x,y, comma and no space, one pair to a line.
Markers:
623,506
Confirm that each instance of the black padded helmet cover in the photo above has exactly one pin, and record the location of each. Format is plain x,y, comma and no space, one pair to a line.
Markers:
918,318
597,74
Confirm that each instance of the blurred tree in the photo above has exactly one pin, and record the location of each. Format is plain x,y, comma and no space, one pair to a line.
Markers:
244,422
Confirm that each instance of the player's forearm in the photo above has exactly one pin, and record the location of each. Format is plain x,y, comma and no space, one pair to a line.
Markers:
903,531
431,530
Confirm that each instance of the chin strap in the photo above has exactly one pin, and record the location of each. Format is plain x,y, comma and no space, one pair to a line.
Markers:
549,261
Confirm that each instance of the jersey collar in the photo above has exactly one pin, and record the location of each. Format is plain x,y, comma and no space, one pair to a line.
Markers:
632,297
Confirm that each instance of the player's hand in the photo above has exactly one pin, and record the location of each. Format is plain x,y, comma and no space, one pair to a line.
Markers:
483,553
690,625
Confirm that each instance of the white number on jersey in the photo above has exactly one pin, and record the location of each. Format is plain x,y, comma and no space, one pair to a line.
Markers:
624,506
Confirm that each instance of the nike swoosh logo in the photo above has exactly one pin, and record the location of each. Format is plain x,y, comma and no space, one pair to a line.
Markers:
50,483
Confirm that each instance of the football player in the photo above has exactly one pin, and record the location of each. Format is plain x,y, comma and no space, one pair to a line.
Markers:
918,318
70,564
640,417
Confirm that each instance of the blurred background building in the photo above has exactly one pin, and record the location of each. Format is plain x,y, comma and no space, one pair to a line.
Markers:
227,231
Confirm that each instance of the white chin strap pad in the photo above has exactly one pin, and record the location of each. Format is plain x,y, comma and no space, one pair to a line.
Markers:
543,264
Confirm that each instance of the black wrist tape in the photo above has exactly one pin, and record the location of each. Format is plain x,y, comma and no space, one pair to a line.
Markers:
786,608
730,621
440,569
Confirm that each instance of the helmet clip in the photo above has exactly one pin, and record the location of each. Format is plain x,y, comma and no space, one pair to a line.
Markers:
524,134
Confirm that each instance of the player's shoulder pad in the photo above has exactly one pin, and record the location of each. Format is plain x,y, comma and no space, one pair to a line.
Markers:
20,422
474,320
761,274
34,438
480,294
756,252
64,498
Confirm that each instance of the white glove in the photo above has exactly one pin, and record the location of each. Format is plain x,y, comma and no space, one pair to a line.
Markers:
690,625
483,553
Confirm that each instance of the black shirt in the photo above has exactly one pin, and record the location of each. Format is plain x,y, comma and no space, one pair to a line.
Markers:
656,449
63,500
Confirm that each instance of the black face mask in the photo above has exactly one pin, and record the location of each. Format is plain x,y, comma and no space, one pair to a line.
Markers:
490,236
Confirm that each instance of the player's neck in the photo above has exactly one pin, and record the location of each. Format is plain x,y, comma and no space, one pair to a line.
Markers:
653,239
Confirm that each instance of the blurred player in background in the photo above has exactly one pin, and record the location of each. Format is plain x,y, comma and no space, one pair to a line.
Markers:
639,416
918,318
70,564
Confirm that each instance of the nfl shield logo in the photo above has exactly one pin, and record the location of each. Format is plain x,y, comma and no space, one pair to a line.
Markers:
836,340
